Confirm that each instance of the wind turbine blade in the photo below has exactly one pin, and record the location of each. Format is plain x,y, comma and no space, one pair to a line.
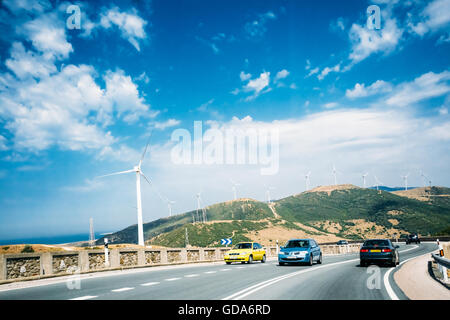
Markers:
164,199
116,173
146,146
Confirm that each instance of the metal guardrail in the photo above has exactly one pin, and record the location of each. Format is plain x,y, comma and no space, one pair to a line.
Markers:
440,260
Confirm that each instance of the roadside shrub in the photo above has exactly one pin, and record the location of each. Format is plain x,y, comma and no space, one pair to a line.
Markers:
27,249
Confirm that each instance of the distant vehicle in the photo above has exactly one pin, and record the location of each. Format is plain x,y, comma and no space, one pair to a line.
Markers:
342,242
246,252
300,251
413,237
378,251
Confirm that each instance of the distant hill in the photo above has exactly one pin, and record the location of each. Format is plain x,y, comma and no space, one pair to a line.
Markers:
391,189
327,213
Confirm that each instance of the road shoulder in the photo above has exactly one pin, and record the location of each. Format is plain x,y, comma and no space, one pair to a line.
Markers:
416,283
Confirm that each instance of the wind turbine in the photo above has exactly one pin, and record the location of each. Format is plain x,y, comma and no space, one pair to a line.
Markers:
425,179
377,182
307,180
334,174
199,208
234,189
364,179
268,193
169,205
405,178
139,173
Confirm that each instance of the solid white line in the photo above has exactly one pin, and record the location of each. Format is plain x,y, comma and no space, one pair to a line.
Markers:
84,298
387,284
245,292
173,279
149,284
192,275
122,289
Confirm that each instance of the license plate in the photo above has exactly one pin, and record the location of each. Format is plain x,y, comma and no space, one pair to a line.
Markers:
291,257
377,250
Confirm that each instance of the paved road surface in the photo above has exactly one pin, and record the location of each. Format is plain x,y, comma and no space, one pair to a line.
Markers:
339,277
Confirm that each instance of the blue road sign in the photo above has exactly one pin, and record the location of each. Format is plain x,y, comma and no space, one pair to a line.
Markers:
225,242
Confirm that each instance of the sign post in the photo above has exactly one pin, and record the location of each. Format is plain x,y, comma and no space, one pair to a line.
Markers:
106,253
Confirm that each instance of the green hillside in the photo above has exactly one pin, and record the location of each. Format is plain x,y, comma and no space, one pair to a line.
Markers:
382,212
357,203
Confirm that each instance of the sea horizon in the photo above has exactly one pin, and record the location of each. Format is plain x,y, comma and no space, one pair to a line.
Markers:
57,239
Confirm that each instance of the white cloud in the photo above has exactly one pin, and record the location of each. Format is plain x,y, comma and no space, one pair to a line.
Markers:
48,35
257,85
166,124
313,71
257,28
360,90
17,6
426,86
123,93
131,25
435,16
26,63
366,42
244,76
3,142
281,75
327,70
330,105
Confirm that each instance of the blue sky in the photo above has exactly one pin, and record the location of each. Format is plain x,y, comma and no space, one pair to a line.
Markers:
76,104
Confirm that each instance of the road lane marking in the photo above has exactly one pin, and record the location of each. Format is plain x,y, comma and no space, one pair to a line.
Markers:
149,284
225,269
387,284
173,279
84,298
209,272
247,291
122,289
192,275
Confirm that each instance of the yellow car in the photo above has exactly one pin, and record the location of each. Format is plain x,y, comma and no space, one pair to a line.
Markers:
246,252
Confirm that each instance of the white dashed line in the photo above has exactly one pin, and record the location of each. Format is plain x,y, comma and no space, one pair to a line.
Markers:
191,275
209,272
225,269
173,279
149,284
84,298
122,289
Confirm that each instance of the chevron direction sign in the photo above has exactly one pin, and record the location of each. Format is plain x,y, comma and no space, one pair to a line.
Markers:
225,242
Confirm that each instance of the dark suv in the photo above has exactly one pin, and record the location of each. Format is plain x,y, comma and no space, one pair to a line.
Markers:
413,237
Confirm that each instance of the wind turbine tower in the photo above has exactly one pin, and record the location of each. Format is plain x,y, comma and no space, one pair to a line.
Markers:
234,189
334,174
139,173
169,205
364,179
91,232
307,180
405,179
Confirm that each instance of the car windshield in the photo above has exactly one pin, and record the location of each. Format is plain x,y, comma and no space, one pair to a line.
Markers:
297,244
376,243
243,246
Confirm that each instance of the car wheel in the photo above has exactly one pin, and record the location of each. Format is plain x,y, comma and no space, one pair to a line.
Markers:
242,262
362,263
227,262
310,260
281,263
250,260
320,259
263,260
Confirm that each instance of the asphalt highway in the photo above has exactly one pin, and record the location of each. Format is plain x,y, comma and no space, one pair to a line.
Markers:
339,277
